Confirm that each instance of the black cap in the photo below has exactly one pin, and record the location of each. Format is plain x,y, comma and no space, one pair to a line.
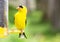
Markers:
21,6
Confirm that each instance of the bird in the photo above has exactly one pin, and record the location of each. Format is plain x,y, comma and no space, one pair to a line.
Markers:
20,19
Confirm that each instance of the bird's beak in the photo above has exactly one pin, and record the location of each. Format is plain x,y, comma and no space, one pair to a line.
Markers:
17,8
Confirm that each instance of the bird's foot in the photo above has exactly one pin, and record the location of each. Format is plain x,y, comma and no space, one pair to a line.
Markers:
22,35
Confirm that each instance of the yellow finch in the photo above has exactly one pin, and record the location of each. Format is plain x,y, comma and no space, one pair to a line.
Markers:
20,19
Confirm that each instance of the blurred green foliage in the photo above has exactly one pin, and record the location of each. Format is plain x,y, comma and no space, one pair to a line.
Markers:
36,16
12,11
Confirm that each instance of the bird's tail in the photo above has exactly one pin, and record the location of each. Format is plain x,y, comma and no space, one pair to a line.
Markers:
22,35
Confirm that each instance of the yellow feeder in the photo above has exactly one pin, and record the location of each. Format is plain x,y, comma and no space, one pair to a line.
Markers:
3,32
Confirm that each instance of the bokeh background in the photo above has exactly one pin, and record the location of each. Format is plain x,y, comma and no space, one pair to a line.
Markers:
43,21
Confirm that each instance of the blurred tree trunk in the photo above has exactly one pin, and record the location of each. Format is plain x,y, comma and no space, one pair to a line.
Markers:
43,5
54,13
2,13
51,9
31,5
28,5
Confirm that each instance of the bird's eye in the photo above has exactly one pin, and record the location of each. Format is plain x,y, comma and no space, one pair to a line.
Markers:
21,6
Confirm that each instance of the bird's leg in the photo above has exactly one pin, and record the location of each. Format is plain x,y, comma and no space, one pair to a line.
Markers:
21,33
24,35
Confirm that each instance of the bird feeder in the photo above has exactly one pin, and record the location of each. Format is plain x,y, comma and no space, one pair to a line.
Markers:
3,18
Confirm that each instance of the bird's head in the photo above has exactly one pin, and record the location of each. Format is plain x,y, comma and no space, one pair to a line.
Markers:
21,8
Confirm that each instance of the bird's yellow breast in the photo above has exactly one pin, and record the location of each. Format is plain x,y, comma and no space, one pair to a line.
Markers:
20,20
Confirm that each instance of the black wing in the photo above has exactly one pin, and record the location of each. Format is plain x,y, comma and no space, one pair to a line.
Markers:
25,21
